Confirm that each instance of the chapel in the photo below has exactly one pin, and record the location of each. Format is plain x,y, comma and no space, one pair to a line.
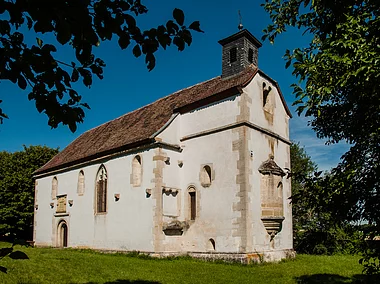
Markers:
198,172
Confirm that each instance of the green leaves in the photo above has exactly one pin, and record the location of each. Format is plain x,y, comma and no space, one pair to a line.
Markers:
179,16
124,40
17,192
337,88
39,42
81,28
136,51
2,114
196,26
21,82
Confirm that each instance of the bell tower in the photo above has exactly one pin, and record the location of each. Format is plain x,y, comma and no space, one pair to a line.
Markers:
239,51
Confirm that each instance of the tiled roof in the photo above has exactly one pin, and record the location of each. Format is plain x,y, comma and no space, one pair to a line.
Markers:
139,125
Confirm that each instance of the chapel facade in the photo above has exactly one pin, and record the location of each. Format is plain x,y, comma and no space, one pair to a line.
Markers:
199,172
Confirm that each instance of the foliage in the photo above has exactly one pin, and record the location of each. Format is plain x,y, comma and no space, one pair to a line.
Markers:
82,25
17,189
314,229
48,265
338,90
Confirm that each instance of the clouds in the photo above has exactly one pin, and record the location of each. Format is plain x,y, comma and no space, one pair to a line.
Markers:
326,156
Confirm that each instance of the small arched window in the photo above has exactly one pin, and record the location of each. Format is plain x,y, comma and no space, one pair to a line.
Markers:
206,176
192,203
80,188
233,54
250,55
211,244
54,188
136,170
280,189
101,190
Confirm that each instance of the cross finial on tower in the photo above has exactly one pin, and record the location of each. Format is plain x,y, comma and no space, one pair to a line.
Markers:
240,27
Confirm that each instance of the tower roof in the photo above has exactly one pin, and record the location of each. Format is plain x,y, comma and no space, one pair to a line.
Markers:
242,33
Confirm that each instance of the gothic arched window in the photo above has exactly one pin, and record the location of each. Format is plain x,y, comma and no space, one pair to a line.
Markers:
54,188
136,170
101,190
206,176
80,188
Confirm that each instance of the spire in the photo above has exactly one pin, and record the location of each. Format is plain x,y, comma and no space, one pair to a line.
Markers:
240,26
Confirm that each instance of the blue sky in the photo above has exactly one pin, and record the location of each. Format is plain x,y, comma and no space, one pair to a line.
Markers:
128,85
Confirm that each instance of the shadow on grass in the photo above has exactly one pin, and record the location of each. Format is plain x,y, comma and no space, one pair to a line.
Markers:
336,279
124,281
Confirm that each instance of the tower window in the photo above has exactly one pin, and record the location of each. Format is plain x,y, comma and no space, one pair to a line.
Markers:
250,55
233,54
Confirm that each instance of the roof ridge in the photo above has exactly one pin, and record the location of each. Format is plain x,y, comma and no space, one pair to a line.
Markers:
142,122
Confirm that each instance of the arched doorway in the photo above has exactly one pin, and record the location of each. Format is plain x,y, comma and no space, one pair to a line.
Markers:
62,234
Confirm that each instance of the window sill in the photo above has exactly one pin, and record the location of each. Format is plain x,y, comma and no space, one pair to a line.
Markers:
63,214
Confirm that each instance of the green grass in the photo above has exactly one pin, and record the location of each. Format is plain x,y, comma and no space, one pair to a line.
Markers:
48,265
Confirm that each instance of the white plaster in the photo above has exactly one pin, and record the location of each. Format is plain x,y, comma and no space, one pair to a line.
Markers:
129,224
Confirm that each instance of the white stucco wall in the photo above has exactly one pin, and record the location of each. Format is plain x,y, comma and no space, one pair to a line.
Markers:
280,123
208,117
129,223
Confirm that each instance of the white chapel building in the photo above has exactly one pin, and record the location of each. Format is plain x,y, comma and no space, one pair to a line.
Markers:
199,172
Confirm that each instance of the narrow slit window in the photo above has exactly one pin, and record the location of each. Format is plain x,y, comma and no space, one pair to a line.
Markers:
250,55
80,188
54,188
233,54
193,206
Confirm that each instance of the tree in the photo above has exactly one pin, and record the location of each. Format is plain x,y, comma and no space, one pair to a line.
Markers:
338,90
82,25
17,189
303,218
315,231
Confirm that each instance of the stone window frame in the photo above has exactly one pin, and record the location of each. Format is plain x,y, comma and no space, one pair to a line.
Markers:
101,206
54,188
81,183
133,181
192,189
58,233
211,175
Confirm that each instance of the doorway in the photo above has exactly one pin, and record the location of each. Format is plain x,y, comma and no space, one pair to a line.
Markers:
62,234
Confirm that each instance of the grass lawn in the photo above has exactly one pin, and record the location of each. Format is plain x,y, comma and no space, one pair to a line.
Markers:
48,265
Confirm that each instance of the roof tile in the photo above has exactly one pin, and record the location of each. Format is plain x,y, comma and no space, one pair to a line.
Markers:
140,124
